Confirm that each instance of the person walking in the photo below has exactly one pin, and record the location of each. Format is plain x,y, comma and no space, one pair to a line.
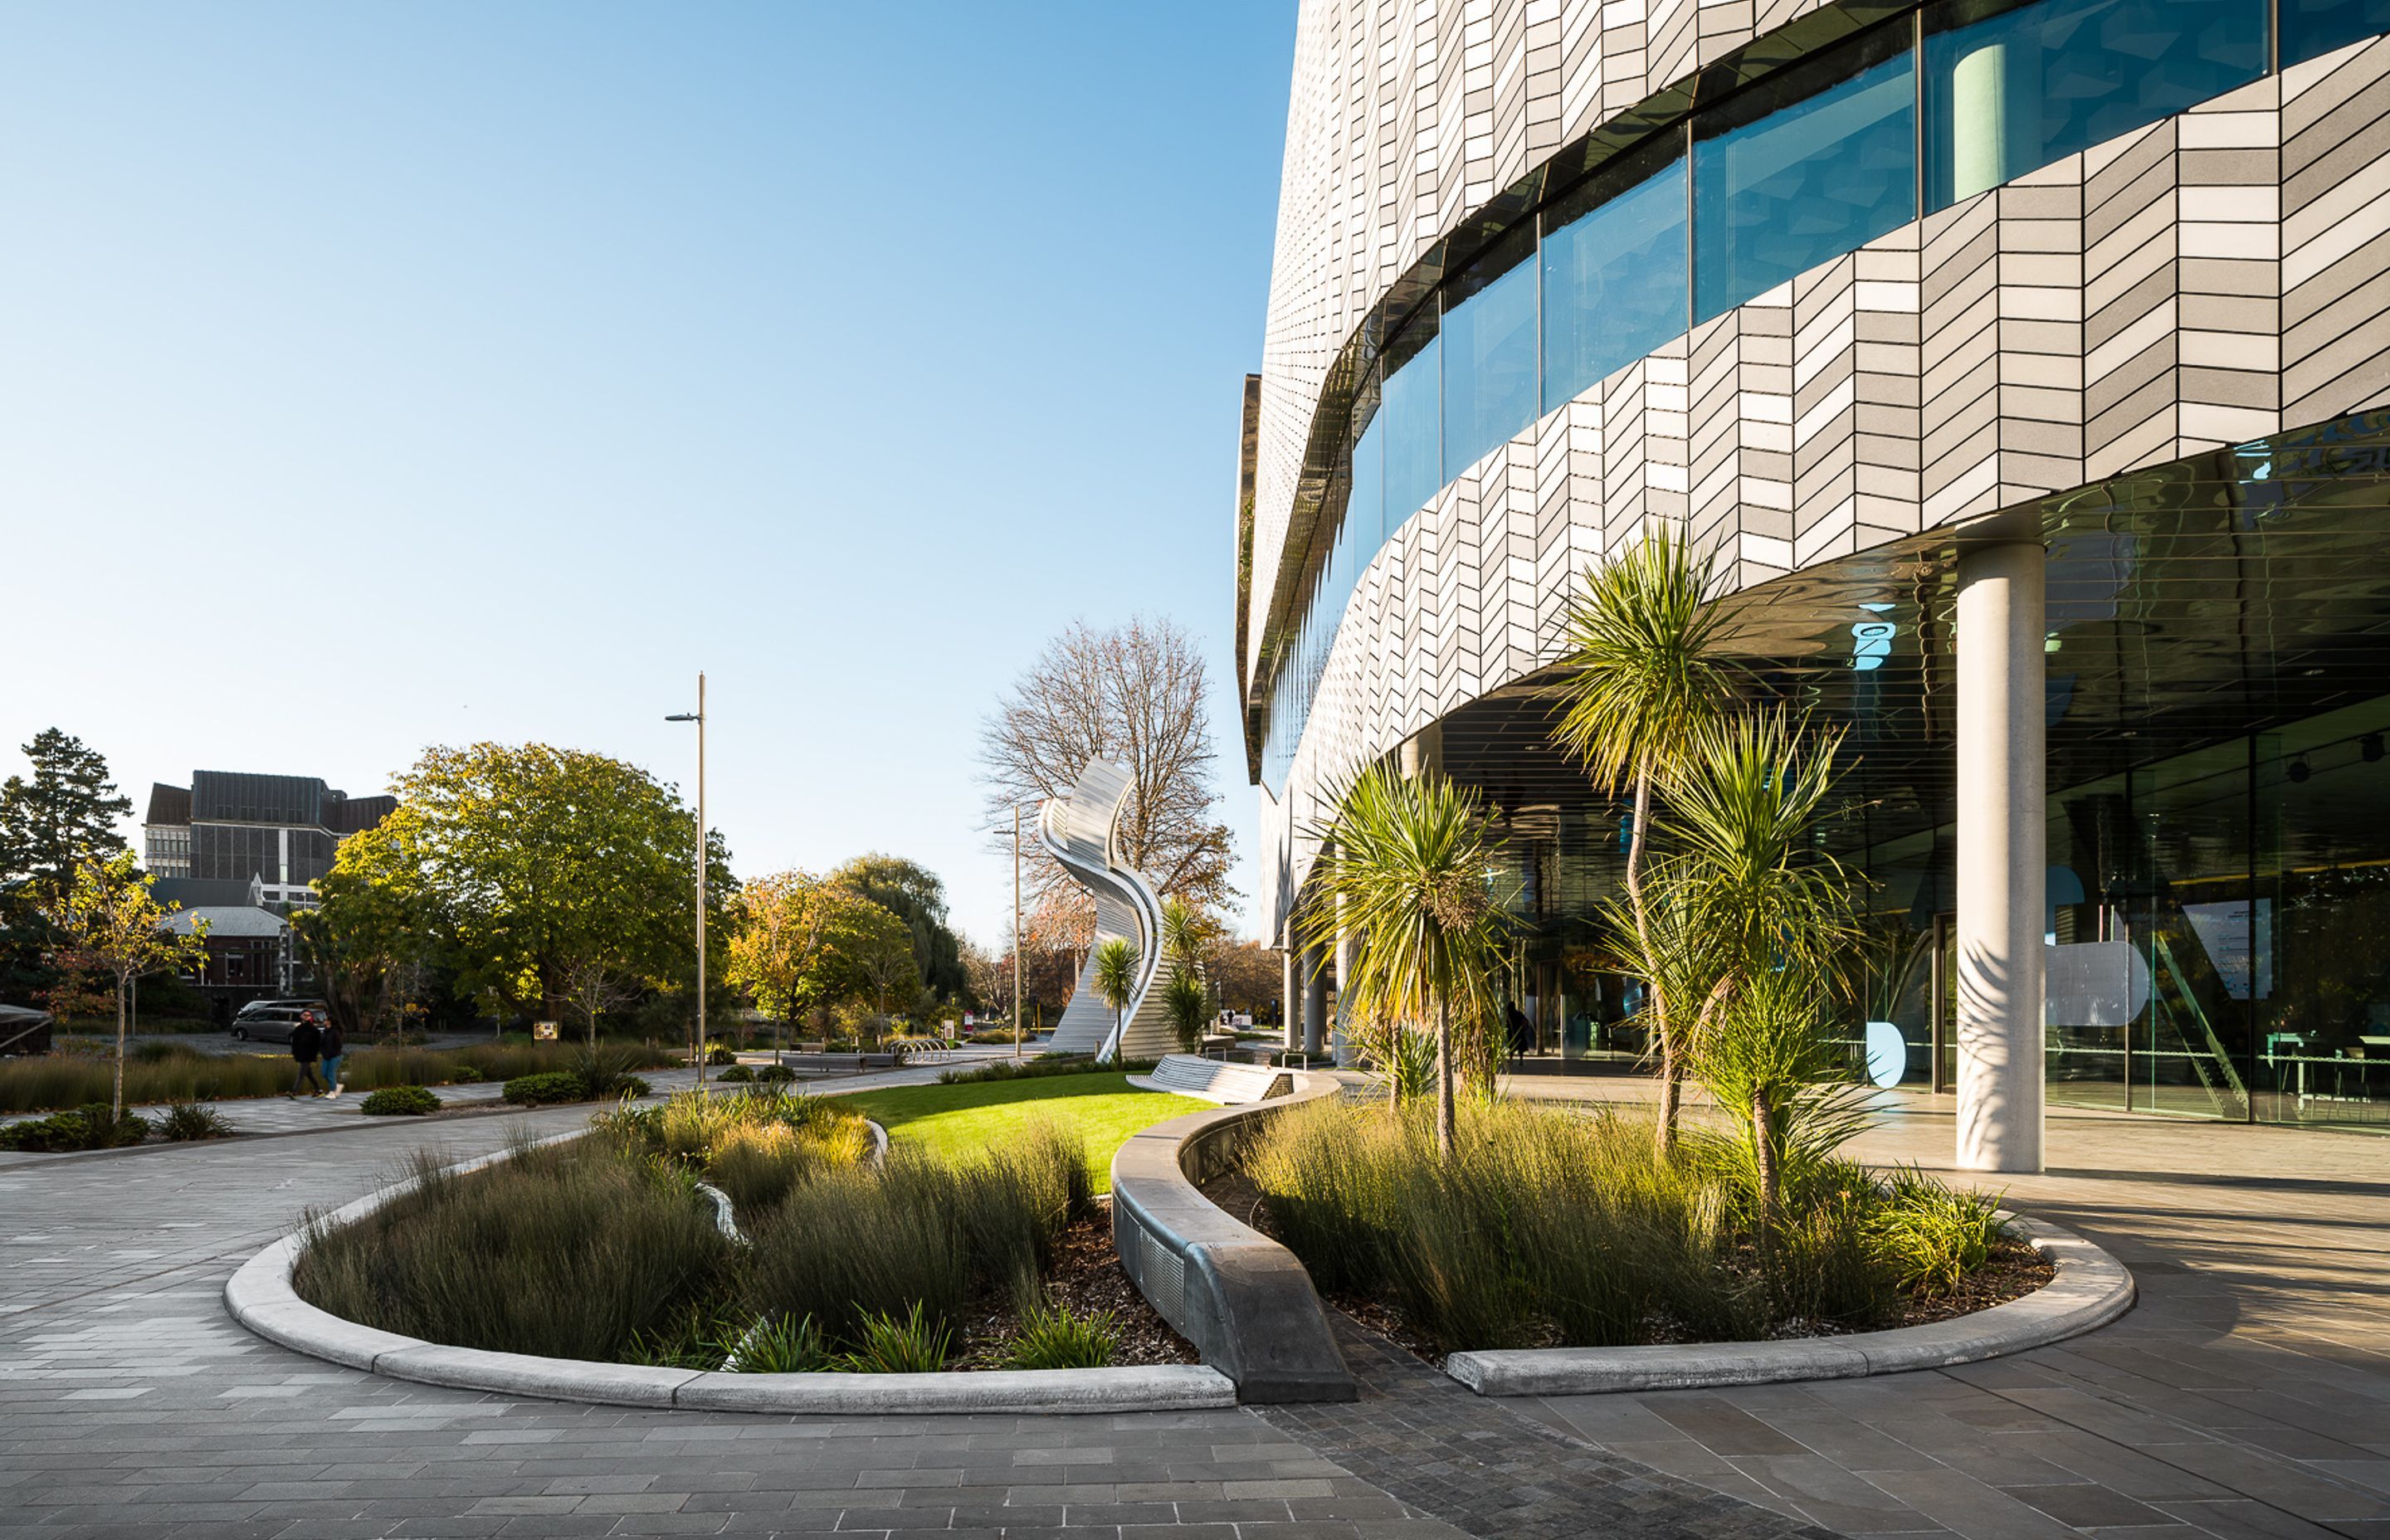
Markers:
331,1049
306,1042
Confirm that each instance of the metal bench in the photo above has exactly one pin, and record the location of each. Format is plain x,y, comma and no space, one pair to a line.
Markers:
1215,1080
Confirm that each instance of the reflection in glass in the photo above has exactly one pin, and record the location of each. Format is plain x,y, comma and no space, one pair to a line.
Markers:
1490,350
1614,281
1412,424
2011,90
1822,173
2311,29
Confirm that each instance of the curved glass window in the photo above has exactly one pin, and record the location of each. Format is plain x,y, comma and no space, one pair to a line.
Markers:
1613,266
1489,350
1413,421
1802,169
2311,29
2021,88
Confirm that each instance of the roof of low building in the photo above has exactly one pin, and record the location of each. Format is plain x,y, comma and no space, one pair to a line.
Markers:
225,922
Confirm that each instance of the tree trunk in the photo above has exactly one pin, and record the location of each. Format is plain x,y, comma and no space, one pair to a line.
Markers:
1444,1113
1762,1155
116,1097
1671,1072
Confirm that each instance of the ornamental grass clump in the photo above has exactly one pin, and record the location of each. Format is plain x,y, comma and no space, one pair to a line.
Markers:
565,1250
757,1146
858,1242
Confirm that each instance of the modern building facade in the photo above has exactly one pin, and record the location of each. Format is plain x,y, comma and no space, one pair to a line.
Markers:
2023,364
278,832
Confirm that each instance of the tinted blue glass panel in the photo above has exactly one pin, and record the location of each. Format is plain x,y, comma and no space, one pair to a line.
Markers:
2314,28
1412,422
1489,366
1613,284
1810,180
1365,509
2012,92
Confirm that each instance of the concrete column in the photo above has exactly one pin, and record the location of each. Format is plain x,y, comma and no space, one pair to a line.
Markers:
2002,811
1347,942
1294,993
1995,110
1315,998
1422,753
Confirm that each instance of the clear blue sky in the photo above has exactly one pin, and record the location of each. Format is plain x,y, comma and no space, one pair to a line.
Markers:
384,376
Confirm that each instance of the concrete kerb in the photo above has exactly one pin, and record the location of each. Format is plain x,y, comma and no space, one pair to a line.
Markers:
1244,1301
260,1297
2090,1289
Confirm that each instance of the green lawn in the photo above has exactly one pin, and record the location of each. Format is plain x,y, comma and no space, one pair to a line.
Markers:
957,1122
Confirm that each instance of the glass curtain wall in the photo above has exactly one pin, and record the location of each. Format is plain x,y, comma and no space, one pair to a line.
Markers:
1799,169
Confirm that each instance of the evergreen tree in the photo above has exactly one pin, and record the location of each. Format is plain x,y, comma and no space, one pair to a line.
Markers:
49,824
64,814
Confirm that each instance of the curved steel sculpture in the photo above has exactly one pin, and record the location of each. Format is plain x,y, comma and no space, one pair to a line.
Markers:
1081,831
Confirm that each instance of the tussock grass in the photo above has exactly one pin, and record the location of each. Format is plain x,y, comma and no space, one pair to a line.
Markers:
758,1146
567,1250
1551,1227
856,1242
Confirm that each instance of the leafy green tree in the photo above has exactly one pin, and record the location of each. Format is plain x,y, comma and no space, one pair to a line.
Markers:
363,942
529,863
1407,858
796,942
874,953
108,924
1645,651
914,895
1115,976
65,813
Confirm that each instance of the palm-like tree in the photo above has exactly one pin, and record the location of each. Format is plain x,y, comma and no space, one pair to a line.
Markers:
1746,917
1645,643
1409,860
1115,977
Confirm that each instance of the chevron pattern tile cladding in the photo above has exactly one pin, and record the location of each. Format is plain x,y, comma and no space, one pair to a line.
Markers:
2212,278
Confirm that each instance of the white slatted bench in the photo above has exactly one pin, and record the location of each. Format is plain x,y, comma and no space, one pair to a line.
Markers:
1212,1080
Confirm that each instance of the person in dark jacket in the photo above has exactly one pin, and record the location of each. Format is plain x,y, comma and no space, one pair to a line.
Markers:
331,1047
306,1042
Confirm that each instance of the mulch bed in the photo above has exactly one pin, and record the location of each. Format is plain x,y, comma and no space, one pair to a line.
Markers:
2015,1271
1087,1276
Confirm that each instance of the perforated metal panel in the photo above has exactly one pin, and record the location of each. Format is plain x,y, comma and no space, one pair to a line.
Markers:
1162,1274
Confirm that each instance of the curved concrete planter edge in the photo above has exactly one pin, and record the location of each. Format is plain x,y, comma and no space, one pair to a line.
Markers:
2090,1288
260,1297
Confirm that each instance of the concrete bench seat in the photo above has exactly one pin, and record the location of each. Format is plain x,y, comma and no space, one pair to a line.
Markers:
1215,1080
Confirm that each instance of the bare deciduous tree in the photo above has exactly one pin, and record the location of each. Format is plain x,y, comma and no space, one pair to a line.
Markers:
1134,695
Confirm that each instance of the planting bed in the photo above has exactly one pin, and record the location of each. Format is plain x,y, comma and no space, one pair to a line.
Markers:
1549,1230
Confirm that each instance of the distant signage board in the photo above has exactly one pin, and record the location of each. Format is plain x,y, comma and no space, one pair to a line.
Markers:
544,1031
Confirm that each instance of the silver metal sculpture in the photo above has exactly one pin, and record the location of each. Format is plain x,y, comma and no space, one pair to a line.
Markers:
1082,832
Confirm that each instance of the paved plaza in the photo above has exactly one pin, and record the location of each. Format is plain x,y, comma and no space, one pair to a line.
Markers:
2246,1397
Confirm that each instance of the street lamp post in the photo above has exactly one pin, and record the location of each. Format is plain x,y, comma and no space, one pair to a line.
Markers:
1016,929
698,716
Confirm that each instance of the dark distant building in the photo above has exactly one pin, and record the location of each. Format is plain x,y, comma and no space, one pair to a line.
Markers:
274,834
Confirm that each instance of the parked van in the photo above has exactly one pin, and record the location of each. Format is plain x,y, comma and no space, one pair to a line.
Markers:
273,1021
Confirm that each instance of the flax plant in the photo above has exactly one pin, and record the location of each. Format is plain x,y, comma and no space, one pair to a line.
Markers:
1404,866
1645,648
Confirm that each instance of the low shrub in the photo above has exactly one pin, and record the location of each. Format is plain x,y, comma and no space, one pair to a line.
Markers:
93,1126
188,1121
737,1074
569,1251
916,1345
1040,1068
400,1101
1052,1337
720,1054
773,1075
1932,1236
546,1088
174,1072
780,1346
